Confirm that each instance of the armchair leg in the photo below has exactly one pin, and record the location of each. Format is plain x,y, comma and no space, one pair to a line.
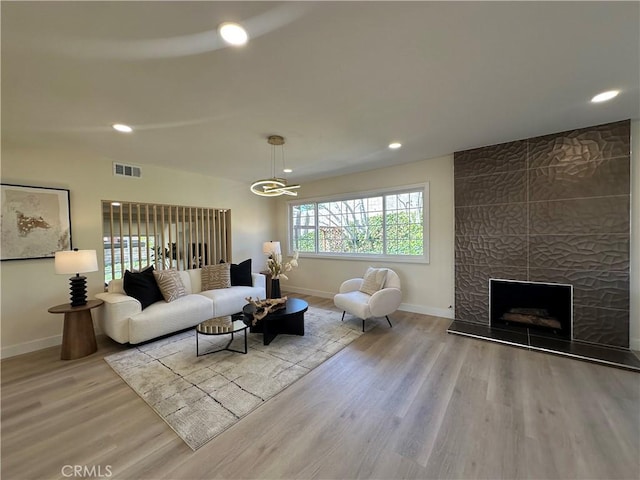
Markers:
390,326
363,324
343,316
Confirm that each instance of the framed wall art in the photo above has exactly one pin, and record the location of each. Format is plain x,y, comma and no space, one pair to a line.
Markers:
36,222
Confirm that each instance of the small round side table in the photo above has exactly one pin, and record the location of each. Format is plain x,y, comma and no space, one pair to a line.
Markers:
78,337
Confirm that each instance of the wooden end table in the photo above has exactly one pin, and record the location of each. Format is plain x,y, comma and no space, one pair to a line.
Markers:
78,336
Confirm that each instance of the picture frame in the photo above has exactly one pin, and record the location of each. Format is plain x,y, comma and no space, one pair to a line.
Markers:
36,222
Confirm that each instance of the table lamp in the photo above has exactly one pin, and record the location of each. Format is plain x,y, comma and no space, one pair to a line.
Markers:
77,261
269,248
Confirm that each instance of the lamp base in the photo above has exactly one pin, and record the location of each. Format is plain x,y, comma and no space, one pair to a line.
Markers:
78,287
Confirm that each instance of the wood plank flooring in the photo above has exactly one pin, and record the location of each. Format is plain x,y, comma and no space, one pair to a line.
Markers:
407,402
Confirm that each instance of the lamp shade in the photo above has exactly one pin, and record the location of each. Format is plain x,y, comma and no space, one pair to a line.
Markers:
76,261
271,247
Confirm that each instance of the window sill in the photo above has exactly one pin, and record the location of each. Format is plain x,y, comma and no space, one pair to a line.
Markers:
368,258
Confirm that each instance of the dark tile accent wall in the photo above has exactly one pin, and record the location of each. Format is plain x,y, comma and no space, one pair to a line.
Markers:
554,208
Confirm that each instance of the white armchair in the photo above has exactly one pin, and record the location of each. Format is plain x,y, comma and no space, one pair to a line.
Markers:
380,303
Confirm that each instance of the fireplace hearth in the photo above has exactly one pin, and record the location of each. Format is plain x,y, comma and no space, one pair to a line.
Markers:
539,316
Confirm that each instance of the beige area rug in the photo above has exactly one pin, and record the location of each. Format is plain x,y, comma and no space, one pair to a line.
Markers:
200,397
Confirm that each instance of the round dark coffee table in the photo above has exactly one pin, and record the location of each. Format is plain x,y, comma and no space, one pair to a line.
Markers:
287,321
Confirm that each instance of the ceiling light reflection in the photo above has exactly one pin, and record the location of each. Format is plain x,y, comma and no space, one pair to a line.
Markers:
604,96
233,33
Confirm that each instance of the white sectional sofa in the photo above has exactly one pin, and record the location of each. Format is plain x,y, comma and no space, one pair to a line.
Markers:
122,318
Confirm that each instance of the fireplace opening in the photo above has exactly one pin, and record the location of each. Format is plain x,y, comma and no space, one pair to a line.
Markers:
545,308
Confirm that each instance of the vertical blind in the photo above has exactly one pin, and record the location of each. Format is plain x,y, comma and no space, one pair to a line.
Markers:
136,235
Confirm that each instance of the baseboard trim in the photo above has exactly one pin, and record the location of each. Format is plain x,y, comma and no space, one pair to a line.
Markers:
308,291
427,310
31,346
405,307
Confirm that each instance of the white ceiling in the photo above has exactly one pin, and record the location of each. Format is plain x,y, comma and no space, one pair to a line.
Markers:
339,80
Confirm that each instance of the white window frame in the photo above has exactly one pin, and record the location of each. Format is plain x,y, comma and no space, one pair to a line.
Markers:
424,258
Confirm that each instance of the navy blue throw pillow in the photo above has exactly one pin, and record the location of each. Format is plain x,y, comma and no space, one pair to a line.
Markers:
142,286
241,274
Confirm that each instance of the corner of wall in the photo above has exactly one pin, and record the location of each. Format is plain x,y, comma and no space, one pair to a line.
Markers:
634,317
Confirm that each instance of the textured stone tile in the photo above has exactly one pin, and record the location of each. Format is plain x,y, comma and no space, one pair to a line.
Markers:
472,308
582,145
601,325
581,216
579,252
503,219
590,288
575,197
492,159
508,187
475,280
602,177
493,251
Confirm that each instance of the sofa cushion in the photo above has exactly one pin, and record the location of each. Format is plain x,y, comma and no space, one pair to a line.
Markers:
241,274
373,280
163,318
186,281
170,284
216,276
142,286
195,280
227,301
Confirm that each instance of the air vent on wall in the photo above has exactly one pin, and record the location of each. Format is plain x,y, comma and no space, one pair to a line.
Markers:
123,170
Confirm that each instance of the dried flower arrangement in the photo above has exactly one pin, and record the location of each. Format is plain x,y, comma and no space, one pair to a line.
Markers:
278,269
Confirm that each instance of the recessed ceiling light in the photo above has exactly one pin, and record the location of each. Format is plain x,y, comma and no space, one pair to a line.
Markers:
604,96
233,34
287,170
122,128
395,145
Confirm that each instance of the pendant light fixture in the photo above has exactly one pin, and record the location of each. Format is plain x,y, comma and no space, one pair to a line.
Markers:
274,186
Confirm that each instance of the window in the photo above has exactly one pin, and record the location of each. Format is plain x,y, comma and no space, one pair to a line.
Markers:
135,258
390,224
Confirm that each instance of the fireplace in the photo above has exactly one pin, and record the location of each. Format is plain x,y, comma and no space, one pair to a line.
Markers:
542,308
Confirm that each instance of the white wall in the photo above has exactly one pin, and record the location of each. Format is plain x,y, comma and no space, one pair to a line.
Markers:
427,288
30,287
634,328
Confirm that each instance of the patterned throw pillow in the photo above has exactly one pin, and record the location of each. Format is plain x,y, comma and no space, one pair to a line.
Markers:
373,280
170,284
216,276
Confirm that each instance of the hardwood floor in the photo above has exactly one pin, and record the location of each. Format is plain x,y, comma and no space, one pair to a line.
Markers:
406,402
